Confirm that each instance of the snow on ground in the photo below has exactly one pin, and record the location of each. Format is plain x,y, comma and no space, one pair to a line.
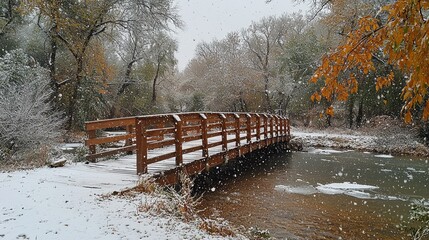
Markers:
71,146
397,141
68,203
320,138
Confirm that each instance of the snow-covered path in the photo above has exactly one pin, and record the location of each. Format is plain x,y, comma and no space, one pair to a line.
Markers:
67,203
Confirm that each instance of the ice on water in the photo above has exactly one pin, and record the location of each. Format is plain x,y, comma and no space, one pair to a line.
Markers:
305,190
351,189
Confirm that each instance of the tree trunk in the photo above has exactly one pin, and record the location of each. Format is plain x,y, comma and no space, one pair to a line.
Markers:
127,78
154,81
351,104
243,105
52,72
359,117
75,90
267,95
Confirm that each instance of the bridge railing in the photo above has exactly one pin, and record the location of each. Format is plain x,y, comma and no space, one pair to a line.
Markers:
175,135
109,143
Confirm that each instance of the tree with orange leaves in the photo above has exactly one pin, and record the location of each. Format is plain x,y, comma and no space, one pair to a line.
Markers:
400,31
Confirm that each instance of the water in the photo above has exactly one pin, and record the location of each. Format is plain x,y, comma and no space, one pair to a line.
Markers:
288,194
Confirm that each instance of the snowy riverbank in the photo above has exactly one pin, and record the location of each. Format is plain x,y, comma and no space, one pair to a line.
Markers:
74,202
394,140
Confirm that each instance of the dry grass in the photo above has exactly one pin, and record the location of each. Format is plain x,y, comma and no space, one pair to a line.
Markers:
216,228
27,160
168,201
179,204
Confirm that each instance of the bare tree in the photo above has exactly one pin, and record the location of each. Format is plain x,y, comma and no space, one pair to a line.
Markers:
161,57
262,41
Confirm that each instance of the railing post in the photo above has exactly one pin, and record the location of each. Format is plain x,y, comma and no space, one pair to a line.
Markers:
129,141
204,135
277,128
282,129
237,130
141,142
266,129
129,130
285,127
91,135
249,128
161,137
288,128
271,129
224,135
258,127
178,139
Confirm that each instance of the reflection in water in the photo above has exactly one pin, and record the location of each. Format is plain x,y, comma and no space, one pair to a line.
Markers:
320,194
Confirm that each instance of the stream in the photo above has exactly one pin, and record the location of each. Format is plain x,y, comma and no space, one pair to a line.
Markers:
319,194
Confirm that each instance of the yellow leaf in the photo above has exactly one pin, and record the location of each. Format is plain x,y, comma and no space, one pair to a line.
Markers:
330,111
407,95
426,111
316,97
408,118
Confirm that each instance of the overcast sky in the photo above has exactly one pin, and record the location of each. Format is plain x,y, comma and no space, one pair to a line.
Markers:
206,20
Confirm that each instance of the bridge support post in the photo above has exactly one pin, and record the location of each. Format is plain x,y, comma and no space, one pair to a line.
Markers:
285,133
282,129
271,129
204,139
178,139
224,135
265,129
237,130
92,135
277,123
129,141
237,127
141,144
258,130
249,131
288,128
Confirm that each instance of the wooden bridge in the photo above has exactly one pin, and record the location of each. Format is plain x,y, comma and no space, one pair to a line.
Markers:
192,142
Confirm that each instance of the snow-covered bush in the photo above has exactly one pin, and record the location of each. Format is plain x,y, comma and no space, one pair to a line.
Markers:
420,219
417,225
27,122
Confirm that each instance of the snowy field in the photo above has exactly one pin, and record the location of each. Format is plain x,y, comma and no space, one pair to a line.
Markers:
69,203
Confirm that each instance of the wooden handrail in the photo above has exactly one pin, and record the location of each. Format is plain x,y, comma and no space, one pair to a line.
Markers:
184,133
